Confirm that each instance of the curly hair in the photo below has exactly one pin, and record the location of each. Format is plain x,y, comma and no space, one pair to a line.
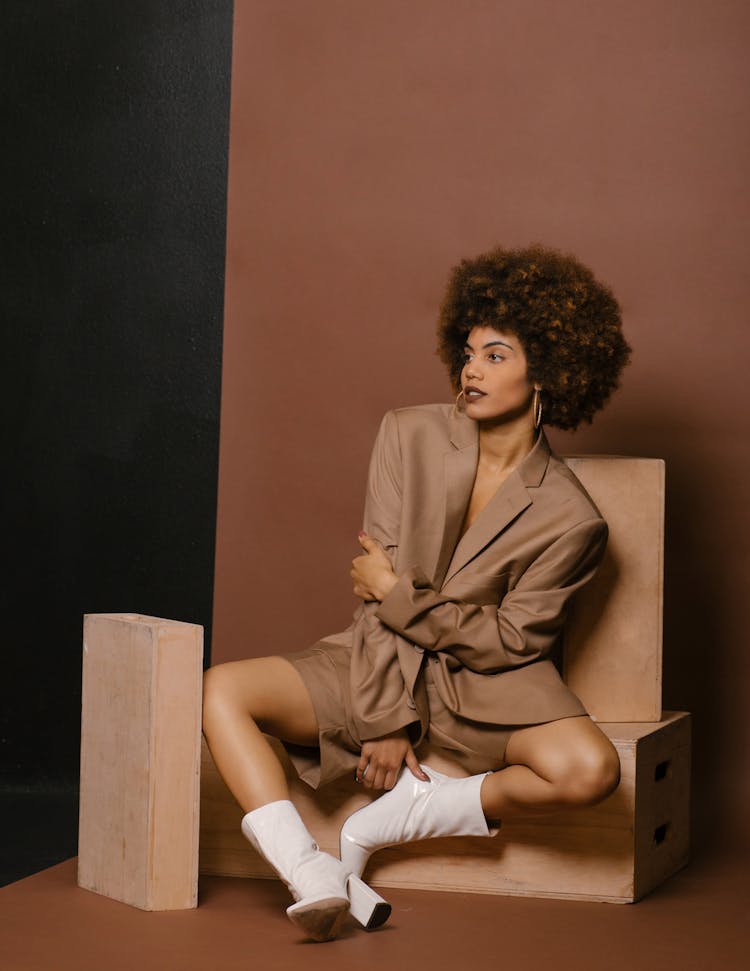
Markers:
567,322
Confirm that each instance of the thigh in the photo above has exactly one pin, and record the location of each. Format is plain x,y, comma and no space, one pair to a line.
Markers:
558,749
271,691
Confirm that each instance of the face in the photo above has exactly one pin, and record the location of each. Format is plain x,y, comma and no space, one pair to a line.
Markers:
494,378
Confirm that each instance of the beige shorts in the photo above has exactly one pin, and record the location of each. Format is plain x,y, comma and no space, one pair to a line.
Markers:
475,746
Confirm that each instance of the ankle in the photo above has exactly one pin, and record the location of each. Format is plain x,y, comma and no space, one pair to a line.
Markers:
271,806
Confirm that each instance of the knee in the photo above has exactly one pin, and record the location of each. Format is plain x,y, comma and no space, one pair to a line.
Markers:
217,690
593,777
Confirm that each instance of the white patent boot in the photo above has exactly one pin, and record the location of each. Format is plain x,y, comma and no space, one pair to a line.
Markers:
323,889
414,810
316,880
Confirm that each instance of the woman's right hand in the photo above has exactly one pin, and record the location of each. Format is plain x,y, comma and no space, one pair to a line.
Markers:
372,572
381,760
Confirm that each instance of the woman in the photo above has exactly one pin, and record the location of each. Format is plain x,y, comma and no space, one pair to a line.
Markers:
444,691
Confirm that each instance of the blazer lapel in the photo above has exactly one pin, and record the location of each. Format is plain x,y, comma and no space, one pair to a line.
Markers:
459,472
509,500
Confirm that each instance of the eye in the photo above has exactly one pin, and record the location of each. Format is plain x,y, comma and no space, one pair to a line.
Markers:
466,357
494,356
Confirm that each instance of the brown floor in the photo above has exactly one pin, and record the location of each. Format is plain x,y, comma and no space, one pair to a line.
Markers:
698,920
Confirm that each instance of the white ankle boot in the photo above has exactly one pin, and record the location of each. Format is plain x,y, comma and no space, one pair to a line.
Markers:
324,890
414,810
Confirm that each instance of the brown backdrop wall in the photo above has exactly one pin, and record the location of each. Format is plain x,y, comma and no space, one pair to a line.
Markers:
374,145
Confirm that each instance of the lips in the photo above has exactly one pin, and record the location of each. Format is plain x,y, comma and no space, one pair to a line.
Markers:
472,393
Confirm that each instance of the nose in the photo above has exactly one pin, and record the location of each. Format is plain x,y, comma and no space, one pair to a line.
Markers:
472,372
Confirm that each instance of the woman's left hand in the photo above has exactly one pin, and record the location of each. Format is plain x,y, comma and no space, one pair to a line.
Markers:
372,573
381,760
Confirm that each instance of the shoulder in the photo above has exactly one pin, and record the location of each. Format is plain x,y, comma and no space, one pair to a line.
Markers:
413,421
415,433
563,494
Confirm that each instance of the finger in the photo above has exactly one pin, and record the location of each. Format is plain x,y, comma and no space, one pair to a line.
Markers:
368,543
368,770
359,772
413,762
378,781
391,776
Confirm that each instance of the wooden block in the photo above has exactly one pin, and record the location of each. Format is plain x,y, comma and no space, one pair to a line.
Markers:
616,851
140,760
612,656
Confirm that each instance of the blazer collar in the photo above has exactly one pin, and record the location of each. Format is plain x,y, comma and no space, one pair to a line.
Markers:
510,499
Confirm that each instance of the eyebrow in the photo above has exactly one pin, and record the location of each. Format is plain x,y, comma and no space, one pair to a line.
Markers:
489,344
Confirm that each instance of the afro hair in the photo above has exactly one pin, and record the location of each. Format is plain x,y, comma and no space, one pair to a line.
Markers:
568,324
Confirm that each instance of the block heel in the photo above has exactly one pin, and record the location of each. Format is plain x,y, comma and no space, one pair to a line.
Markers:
366,906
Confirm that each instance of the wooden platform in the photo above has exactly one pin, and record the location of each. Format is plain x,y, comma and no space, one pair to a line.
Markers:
616,851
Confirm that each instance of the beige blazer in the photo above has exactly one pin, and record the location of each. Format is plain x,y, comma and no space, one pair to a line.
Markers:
486,611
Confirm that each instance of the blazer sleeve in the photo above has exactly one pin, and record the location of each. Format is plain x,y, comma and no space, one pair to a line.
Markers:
383,498
379,697
526,624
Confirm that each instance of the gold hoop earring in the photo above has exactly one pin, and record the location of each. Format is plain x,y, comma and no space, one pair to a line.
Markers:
537,408
459,395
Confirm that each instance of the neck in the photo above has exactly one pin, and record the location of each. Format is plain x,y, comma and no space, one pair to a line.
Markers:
503,446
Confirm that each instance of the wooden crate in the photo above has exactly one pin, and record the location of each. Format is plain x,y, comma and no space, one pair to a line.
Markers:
140,760
612,650
616,851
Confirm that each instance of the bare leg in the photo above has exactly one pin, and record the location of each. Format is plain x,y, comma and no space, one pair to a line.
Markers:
558,765
241,701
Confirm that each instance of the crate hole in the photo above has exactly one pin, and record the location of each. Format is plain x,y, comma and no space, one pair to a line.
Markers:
660,834
661,771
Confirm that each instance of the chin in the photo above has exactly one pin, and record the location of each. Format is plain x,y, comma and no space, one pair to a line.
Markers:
493,416
483,410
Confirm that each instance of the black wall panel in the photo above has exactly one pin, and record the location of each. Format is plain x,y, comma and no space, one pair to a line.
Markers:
114,177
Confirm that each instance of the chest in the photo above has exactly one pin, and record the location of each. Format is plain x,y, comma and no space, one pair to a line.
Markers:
485,486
